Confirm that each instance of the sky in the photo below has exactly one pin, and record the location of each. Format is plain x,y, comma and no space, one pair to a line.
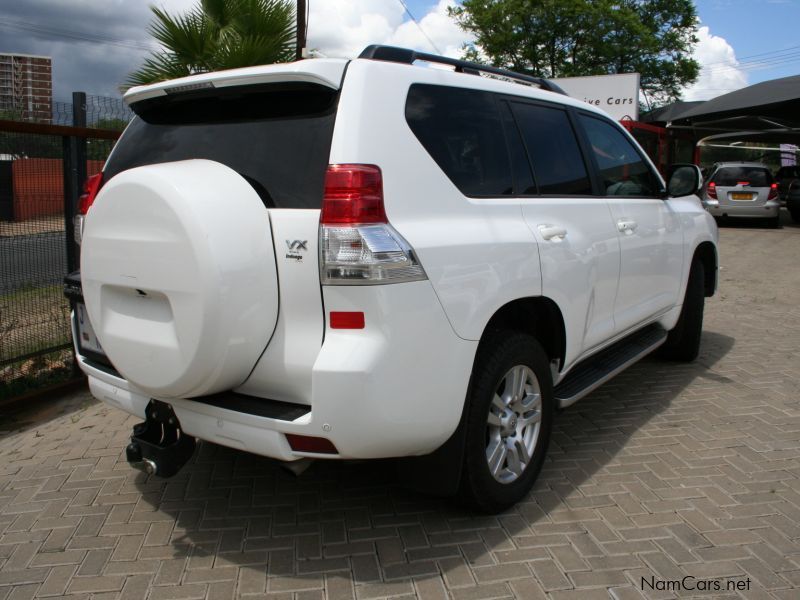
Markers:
96,43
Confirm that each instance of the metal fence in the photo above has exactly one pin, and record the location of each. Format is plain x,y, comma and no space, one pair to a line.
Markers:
42,167
100,112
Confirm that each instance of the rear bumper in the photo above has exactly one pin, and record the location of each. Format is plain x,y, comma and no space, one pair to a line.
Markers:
395,388
769,209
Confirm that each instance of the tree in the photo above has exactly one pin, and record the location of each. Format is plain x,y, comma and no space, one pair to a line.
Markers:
216,35
114,123
568,38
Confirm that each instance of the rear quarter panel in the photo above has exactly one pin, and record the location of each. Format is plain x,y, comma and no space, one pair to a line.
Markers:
478,253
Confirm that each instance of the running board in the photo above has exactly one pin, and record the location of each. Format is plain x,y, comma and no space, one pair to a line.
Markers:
593,372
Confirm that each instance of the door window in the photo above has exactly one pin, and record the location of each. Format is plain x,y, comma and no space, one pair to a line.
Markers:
553,150
622,170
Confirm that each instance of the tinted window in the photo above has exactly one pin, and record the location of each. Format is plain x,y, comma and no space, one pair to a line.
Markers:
784,172
523,178
277,137
462,131
622,170
558,166
752,176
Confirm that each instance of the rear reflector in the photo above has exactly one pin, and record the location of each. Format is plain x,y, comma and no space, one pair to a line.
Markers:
307,443
347,320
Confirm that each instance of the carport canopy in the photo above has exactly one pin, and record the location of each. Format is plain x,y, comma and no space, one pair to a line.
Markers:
764,112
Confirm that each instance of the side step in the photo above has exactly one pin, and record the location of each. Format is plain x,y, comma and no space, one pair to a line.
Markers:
593,372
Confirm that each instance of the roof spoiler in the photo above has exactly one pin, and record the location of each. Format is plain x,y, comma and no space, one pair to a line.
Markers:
408,57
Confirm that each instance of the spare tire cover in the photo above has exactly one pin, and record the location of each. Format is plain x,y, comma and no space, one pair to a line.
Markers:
179,278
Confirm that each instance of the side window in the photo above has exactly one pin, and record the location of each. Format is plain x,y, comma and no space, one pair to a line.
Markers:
523,178
622,170
558,165
462,131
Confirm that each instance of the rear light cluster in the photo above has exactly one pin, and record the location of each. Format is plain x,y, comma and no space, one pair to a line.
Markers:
357,244
773,192
711,190
91,186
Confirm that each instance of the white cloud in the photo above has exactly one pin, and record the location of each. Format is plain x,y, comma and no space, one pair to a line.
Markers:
343,28
81,61
439,27
720,71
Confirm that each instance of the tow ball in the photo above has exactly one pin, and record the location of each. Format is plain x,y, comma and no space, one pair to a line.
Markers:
158,446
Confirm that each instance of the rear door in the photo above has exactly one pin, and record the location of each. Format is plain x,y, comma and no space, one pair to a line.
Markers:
578,245
647,227
277,137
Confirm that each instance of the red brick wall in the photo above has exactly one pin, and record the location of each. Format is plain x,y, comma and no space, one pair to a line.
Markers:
38,185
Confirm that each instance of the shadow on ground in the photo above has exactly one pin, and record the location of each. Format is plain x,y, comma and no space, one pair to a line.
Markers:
234,508
20,416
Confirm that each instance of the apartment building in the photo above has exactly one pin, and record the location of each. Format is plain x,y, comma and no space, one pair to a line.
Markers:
26,86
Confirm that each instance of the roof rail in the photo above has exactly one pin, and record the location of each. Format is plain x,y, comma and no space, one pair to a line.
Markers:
406,56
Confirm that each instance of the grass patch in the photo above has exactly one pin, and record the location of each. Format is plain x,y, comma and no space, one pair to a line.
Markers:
36,373
32,319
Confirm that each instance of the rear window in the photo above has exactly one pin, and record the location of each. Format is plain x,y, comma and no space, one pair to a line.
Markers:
753,176
462,131
276,136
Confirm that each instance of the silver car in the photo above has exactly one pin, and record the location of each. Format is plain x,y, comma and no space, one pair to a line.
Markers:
742,189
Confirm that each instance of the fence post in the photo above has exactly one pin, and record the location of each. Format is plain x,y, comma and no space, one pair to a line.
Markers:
74,176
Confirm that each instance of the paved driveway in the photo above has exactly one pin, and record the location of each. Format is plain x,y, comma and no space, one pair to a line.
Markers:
666,472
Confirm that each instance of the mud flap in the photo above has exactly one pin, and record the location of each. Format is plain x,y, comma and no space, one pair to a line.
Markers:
437,473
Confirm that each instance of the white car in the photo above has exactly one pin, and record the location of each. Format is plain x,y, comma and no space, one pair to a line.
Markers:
372,258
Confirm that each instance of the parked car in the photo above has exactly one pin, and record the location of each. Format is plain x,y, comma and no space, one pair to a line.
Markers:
786,178
742,189
353,259
793,201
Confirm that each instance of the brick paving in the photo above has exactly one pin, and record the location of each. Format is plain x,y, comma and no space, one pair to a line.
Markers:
666,472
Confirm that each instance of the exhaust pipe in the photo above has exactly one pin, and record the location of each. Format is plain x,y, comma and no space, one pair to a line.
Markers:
297,467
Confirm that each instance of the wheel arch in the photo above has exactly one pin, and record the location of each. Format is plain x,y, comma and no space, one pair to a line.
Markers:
706,252
539,316
439,473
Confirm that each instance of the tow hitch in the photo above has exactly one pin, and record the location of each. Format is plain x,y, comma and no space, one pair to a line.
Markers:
158,446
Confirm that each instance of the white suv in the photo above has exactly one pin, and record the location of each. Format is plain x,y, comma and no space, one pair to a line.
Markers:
380,257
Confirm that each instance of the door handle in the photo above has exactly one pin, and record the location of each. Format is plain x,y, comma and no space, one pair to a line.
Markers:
627,226
552,232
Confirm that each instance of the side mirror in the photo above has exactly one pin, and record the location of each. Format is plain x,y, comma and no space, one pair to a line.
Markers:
684,180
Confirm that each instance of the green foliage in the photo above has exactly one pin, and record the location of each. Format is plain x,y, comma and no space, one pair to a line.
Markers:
569,38
217,35
110,123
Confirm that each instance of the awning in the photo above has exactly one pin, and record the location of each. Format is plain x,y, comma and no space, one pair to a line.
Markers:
765,112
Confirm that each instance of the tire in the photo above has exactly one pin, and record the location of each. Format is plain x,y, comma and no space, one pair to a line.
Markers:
510,425
683,342
795,215
774,222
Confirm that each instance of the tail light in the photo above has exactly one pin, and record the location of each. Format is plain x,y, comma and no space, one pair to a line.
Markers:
91,186
711,190
357,244
773,192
